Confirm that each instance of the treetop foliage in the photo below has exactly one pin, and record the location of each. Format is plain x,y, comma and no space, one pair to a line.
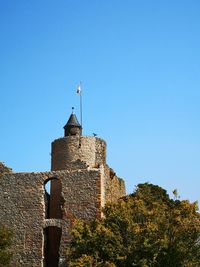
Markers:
4,169
146,228
5,242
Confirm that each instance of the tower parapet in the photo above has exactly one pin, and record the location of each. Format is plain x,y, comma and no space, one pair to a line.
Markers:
67,150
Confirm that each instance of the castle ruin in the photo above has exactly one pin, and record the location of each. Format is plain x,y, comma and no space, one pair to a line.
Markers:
80,184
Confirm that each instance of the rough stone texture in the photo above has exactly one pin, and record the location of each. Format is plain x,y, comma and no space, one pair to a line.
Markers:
114,186
87,184
66,150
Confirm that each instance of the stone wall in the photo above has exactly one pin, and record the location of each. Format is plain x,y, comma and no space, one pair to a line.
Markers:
114,186
69,149
23,209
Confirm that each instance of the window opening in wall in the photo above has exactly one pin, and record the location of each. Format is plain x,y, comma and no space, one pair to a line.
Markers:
48,187
52,238
53,199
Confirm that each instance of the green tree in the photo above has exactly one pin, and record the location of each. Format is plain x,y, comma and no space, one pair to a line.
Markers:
5,241
144,229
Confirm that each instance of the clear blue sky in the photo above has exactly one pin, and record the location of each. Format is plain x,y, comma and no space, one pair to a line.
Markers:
140,66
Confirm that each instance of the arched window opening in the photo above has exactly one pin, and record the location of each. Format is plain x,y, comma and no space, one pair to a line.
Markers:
52,238
53,199
47,187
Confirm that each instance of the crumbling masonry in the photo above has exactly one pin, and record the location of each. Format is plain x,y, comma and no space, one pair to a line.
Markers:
81,183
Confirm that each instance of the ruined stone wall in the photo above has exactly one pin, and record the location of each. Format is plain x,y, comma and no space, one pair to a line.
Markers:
116,189
66,150
114,186
83,182
22,209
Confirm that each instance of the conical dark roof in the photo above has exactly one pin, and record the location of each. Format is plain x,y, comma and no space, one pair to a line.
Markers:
72,122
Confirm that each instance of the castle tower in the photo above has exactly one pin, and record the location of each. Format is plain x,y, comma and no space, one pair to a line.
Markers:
74,148
74,152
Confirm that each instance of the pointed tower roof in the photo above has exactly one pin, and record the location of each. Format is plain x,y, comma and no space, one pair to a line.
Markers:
73,121
72,124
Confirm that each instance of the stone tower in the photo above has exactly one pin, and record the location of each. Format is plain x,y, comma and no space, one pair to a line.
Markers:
73,148
80,183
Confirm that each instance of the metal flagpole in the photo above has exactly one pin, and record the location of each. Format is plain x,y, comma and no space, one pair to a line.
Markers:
81,106
79,92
